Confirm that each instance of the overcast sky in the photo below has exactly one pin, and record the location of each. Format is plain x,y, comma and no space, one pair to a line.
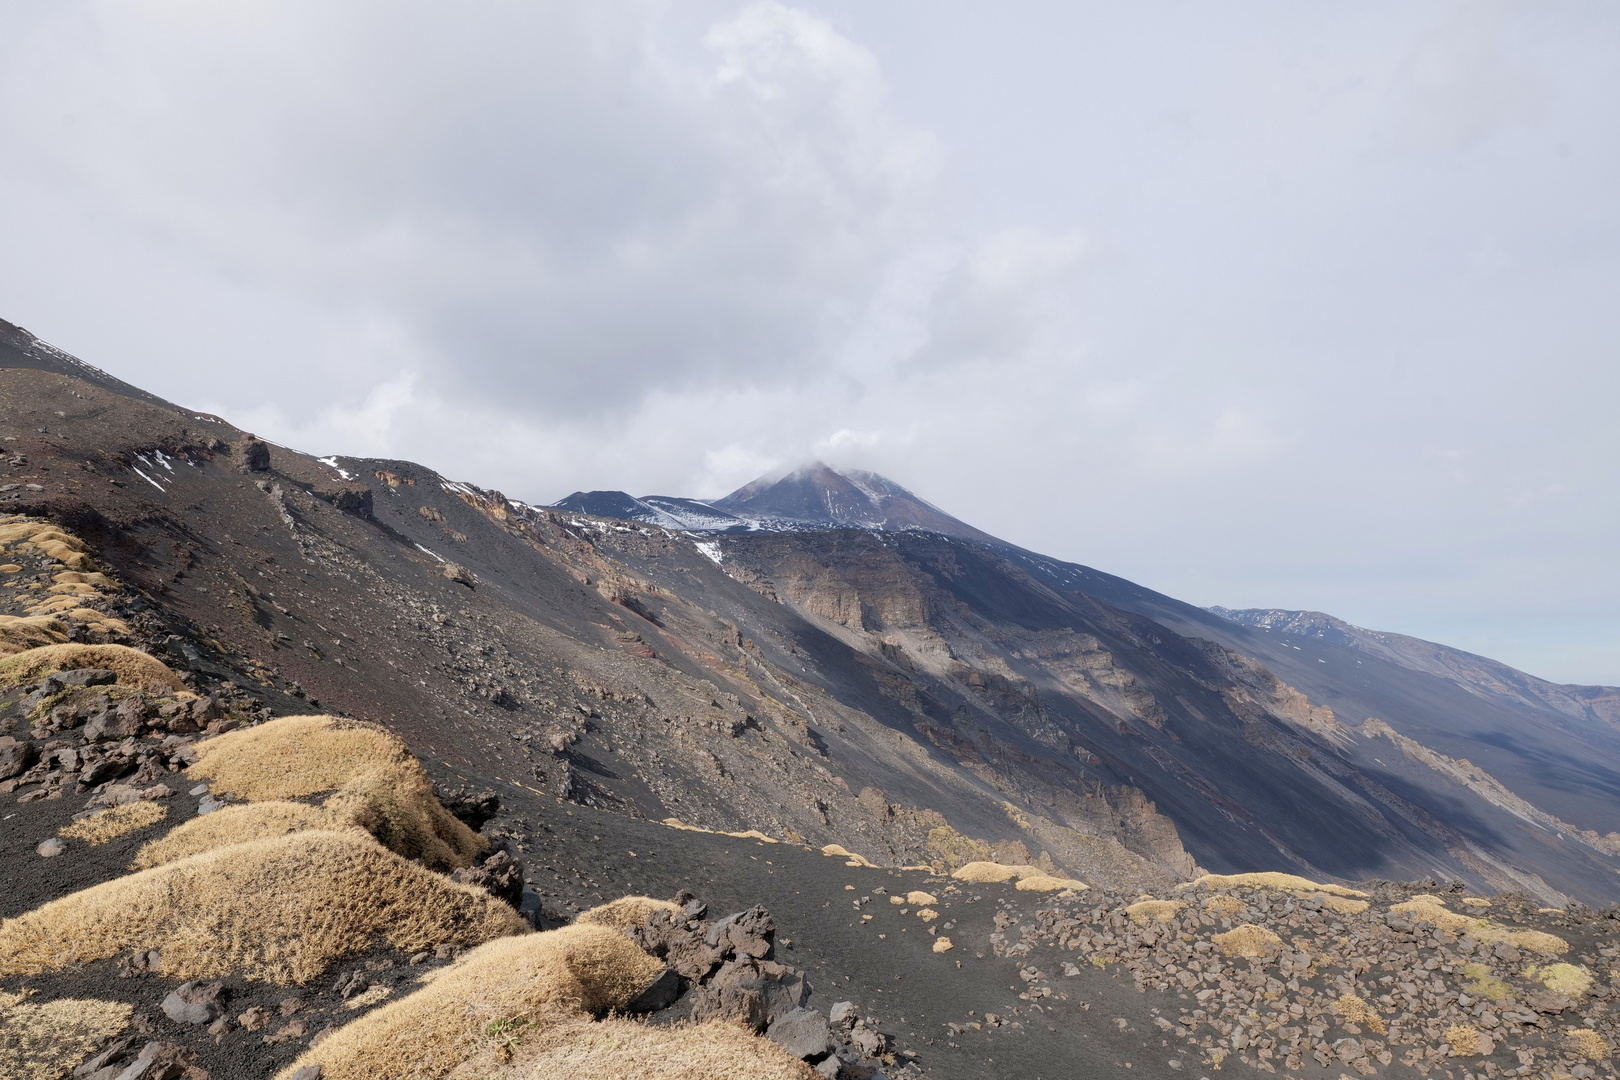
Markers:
1260,304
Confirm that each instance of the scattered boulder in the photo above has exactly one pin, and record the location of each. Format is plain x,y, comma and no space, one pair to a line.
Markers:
50,849
255,1019
195,1002
252,454
459,574
802,1033
350,498
118,722
659,994
15,757
473,808
81,677
500,875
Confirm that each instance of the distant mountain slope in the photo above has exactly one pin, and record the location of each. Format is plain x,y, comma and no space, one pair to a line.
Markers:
909,692
814,496
1479,673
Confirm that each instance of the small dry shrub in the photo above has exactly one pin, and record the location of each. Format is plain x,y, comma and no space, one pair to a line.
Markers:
1355,1010
626,913
618,1049
995,872
1247,940
1274,881
1225,906
1341,905
114,822
1484,985
334,894
838,851
1463,1039
1156,910
378,784
1566,979
917,896
1431,909
44,1041
1047,883
533,983
236,824
1588,1044
943,944
133,667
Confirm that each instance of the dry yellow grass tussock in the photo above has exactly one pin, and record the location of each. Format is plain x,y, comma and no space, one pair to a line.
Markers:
335,894
626,913
753,834
838,851
236,824
20,632
378,782
917,896
943,944
45,1040
995,872
1247,940
114,822
1589,1044
1431,909
618,1049
1047,883
1483,984
135,668
1342,905
1225,906
1463,1039
514,988
1156,910
1566,979
1474,901
1274,881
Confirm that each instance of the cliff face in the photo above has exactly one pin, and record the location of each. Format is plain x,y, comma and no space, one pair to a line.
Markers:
912,696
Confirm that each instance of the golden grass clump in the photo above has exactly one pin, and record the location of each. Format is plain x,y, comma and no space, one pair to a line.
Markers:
1474,901
1247,940
1566,979
377,783
838,851
334,894
917,896
754,834
44,1041
927,914
1225,906
1431,909
943,944
620,1049
994,873
1589,1044
237,824
115,821
516,987
1273,881
1355,1010
1463,1039
626,913
1485,985
1047,883
1340,905
21,632
133,667
1155,910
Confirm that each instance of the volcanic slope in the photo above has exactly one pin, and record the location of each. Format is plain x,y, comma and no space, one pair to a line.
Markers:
911,696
